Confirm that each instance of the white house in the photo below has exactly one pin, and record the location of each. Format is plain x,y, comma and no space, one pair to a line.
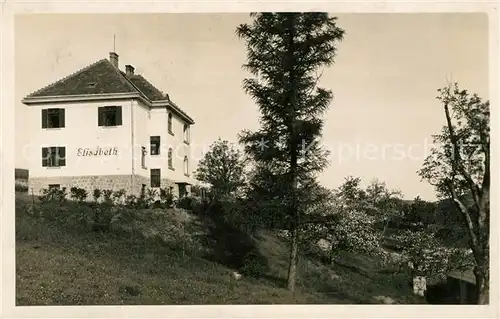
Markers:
104,128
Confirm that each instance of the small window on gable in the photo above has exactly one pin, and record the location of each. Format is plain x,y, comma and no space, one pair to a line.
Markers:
170,159
155,145
170,130
110,116
53,118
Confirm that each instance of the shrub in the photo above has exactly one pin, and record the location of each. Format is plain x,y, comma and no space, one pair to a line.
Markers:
21,188
166,198
119,196
131,201
254,265
107,193
103,214
188,203
96,194
53,194
78,194
150,197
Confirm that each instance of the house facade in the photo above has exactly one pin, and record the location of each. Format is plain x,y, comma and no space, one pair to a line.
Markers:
104,128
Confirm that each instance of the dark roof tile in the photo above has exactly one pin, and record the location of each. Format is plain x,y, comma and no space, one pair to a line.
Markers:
97,78
147,88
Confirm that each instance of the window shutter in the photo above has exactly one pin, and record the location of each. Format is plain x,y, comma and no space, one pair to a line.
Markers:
61,153
44,118
118,115
61,118
100,116
45,160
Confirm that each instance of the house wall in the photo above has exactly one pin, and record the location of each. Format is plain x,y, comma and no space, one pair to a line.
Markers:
158,126
81,131
121,171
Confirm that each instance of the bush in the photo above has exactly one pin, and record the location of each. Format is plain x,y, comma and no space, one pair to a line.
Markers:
21,188
78,194
107,194
53,194
166,198
118,197
188,202
103,215
96,194
254,265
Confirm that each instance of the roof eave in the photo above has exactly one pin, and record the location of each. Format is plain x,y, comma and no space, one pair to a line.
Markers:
33,100
168,103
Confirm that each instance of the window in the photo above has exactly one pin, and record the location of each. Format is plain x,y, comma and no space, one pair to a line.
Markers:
54,186
155,145
110,116
155,177
53,118
170,159
54,156
186,166
170,124
186,133
143,157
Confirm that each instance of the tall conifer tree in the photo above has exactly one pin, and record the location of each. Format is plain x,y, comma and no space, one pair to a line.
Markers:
285,54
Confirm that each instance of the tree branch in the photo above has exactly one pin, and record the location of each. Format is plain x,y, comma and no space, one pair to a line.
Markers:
457,163
465,212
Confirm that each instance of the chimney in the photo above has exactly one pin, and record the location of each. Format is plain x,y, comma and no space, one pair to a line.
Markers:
113,58
129,70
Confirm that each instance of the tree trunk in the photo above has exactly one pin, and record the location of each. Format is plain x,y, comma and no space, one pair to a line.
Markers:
294,249
481,272
294,212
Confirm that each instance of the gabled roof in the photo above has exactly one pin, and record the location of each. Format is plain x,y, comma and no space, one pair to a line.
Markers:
97,78
103,78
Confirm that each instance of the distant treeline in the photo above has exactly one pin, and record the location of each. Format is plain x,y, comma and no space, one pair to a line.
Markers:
21,173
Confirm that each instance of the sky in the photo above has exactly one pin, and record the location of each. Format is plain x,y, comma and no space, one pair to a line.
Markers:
384,80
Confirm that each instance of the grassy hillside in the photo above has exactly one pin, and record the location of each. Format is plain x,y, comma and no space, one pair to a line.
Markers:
175,258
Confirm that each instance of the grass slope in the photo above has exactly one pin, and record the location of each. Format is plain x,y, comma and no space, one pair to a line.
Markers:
59,265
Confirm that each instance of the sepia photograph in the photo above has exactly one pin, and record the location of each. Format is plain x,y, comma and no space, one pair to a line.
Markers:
256,158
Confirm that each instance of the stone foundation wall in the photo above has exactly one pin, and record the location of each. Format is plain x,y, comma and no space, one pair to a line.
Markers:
132,184
89,183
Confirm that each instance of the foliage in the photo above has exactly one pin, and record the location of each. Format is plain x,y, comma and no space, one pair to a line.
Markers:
96,194
119,197
78,194
223,168
420,212
21,188
459,167
166,198
427,257
53,194
107,195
